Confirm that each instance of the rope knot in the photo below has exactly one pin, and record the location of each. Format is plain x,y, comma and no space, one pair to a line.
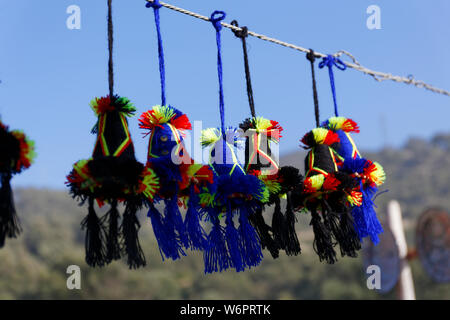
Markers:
154,4
242,33
331,61
311,55
216,18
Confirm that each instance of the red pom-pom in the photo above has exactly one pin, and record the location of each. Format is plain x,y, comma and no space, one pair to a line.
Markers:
350,126
275,126
331,138
181,123
104,105
307,186
331,183
148,120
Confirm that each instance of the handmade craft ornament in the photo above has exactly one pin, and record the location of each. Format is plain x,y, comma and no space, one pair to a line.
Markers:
180,177
370,176
17,155
259,133
112,175
325,190
233,194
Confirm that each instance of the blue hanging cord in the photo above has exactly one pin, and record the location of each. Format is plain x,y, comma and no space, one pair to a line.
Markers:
216,18
162,72
331,61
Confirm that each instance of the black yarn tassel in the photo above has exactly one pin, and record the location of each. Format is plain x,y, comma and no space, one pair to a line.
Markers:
292,245
331,221
263,230
341,225
279,225
323,244
9,221
95,237
130,229
352,243
111,219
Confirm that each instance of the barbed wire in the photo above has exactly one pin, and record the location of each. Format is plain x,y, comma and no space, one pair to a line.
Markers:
377,75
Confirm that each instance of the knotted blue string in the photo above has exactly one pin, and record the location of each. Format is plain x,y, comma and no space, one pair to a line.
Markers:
216,18
331,61
162,72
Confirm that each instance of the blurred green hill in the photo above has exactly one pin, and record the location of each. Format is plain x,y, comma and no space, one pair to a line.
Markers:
34,265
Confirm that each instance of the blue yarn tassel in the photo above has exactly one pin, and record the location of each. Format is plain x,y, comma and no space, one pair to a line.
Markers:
233,242
366,220
169,246
173,217
197,235
216,256
365,217
249,239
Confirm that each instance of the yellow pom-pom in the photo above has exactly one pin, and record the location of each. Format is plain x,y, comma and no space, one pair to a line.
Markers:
314,183
210,136
83,177
336,123
377,175
262,123
355,198
163,114
320,135
149,184
272,185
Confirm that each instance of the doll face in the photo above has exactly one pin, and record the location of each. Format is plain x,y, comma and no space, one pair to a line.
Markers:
164,141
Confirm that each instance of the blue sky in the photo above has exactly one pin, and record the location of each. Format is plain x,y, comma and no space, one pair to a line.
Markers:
49,73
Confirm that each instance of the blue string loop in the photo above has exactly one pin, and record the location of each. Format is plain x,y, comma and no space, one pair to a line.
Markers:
162,72
330,61
155,4
216,18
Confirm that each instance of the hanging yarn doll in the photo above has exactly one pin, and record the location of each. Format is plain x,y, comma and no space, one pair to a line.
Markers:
234,194
179,177
259,133
327,192
112,175
370,175
17,154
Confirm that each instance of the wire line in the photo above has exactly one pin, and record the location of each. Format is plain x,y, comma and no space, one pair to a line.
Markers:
377,75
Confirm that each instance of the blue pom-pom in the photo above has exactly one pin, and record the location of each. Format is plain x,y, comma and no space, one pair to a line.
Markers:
355,165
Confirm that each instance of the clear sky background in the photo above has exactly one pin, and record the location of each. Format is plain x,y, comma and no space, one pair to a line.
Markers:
49,73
